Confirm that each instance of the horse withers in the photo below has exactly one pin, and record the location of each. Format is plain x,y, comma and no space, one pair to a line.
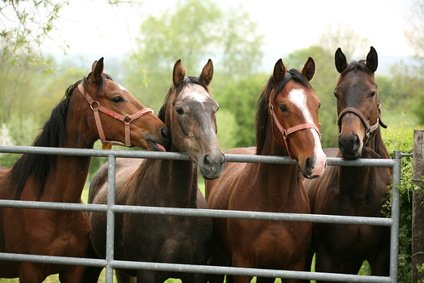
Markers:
189,112
286,125
40,177
353,191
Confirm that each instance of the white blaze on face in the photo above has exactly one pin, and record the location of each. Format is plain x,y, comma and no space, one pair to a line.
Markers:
195,92
298,98
122,87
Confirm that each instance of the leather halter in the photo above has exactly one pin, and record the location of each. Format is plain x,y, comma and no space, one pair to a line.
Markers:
96,107
369,129
286,132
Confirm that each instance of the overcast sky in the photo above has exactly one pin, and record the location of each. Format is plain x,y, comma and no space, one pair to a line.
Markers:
96,28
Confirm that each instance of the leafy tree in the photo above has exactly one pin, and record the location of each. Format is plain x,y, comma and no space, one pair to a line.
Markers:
240,99
193,32
415,33
344,38
25,25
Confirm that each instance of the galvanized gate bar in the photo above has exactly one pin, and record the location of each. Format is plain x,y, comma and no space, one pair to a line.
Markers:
332,161
394,232
198,212
110,219
111,208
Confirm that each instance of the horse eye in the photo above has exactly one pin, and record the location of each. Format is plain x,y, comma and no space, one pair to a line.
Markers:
117,99
372,93
283,108
179,110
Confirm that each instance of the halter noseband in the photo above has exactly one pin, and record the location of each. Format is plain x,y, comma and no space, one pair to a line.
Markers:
96,107
286,132
369,129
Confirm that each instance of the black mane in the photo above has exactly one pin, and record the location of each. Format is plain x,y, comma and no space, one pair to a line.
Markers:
52,135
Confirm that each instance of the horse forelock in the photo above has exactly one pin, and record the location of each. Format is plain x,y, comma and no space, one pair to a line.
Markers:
53,134
100,85
298,77
356,66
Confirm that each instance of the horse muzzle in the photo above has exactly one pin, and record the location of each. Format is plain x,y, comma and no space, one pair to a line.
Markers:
211,166
350,146
314,167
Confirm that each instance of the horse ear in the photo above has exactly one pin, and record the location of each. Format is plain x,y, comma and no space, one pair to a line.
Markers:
340,60
97,70
178,74
372,60
207,73
279,72
309,69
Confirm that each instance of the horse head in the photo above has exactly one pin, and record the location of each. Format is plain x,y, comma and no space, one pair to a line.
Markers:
358,105
126,121
190,114
293,108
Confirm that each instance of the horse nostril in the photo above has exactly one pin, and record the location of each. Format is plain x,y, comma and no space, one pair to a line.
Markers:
208,160
165,133
310,162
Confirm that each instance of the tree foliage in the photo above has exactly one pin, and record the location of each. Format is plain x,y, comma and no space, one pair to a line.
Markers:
240,100
25,25
415,32
192,31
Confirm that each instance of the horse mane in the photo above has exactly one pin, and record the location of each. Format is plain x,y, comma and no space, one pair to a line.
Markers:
40,165
53,134
262,106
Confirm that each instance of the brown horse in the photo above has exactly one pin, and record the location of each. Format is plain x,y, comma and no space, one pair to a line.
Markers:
61,178
287,125
189,113
354,191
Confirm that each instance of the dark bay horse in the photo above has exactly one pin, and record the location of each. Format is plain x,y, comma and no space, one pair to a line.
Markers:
354,191
119,118
286,125
189,113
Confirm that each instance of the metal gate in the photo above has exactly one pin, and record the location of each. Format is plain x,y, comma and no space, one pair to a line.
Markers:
110,208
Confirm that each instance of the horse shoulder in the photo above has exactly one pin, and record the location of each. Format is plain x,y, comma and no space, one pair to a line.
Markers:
323,191
222,189
5,191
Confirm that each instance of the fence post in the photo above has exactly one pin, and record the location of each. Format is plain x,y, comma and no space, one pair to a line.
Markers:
418,208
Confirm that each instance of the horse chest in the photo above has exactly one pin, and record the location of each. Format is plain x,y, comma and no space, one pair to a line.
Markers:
168,238
270,243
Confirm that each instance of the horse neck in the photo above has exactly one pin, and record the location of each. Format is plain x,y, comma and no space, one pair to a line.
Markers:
358,182
67,179
171,183
279,183
376,143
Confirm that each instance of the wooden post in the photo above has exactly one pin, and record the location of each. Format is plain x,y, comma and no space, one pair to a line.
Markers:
418,208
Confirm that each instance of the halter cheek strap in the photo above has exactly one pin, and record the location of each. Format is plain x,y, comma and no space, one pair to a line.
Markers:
126,119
